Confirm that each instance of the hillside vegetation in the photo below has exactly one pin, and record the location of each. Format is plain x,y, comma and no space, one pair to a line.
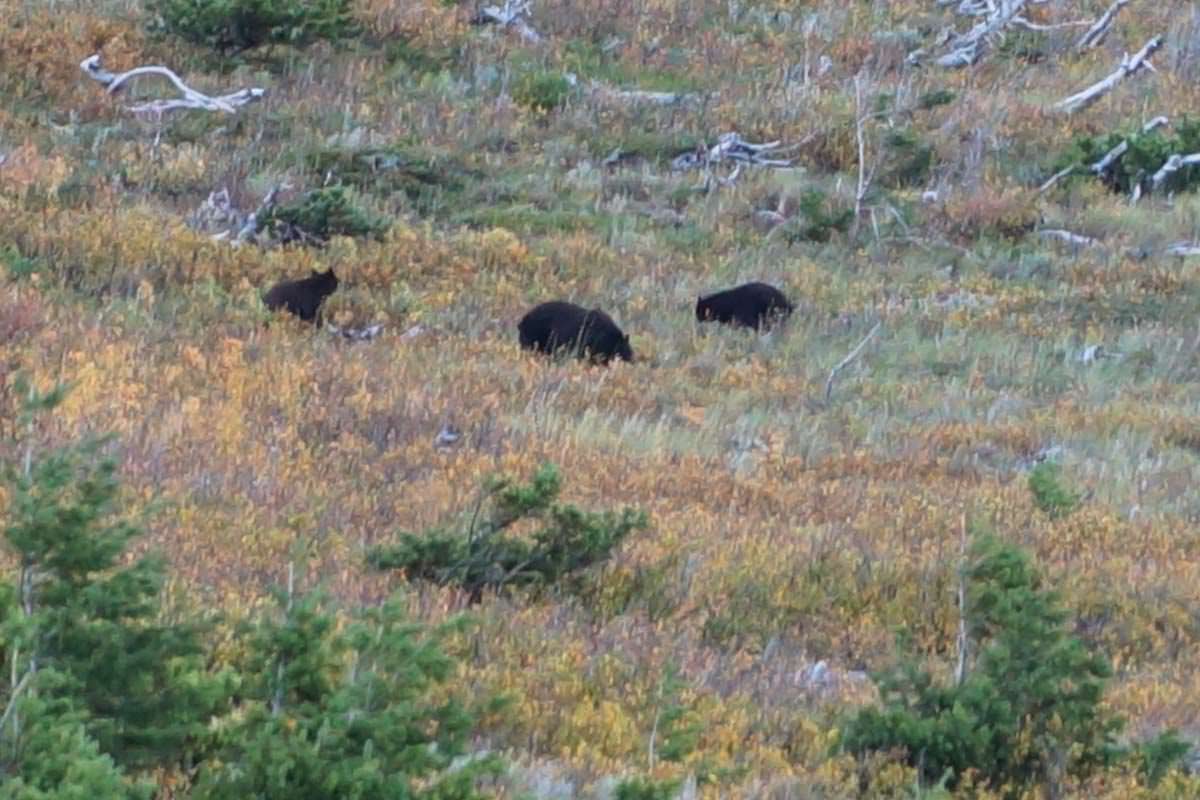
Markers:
800,534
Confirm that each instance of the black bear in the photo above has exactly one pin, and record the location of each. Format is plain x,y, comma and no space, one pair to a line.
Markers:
556,325
304,296
753,305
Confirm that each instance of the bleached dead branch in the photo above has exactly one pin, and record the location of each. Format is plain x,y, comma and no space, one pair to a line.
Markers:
1172,165
1068,237
963,641
1183,249
636,96
1101,166
848,360
356,334
1056,177
114,82
732,147
513,14
1095,34
966,48
1129,66
864,177
233,226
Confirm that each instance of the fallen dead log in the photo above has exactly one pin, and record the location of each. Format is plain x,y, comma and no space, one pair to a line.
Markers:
967,48
1070,238
1101,166
356,334
513,14
225,223
189,99
1173,164
1109,158
635,96
732,147
1095,34
1129,66
1183,249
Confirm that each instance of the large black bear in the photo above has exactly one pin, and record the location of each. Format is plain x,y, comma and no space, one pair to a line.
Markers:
302,297
556,325
753,305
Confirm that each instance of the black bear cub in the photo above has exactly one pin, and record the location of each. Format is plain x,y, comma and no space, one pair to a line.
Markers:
753,305
556,325
302,297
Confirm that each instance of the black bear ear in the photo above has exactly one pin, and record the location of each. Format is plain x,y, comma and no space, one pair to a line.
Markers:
315,274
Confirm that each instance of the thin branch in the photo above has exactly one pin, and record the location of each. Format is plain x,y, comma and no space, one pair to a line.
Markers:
114,82
277,697
859,123
963,642
845,362
1056,177
1021,22
1129,66
15,696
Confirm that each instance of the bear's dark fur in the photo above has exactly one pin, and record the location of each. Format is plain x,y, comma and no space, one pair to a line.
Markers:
753,305
302,297
556,325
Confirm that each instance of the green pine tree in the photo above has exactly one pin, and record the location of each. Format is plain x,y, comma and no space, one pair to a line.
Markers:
139,685
1026,709
46,752
333,711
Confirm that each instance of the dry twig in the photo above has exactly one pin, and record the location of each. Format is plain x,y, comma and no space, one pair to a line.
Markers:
845,362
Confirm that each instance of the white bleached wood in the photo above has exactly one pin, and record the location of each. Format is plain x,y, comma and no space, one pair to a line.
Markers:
1129,66
114,82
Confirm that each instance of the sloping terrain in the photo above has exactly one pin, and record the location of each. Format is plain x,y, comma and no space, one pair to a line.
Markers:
796,521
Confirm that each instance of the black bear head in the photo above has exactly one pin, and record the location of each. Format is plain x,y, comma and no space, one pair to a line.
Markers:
327,281
624,350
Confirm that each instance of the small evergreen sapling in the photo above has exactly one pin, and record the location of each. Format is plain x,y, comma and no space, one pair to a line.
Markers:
45,749
1026,711
81,635
674,735
94,620
232,26
343,711
481,556
1049,493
